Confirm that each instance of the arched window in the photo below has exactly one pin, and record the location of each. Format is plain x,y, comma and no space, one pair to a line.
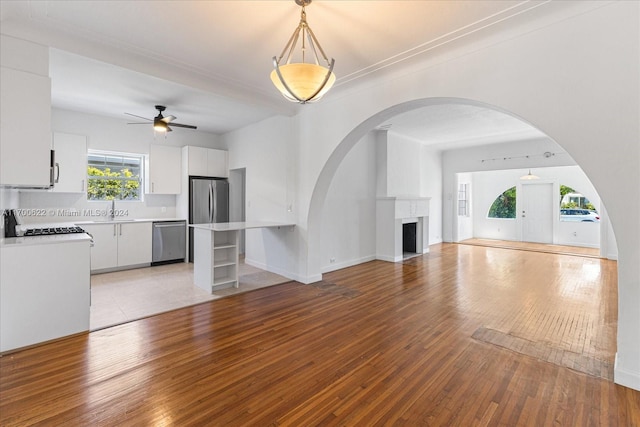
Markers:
574,207
504,206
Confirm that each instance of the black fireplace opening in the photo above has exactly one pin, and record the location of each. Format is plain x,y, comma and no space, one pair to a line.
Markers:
409,237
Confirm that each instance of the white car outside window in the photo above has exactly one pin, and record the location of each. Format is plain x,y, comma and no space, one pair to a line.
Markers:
579,215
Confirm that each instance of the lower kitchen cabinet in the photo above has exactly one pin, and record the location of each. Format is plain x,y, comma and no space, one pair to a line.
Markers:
44,291
120,244
134,243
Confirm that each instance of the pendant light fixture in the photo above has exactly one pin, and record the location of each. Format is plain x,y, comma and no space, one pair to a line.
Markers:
529,176
302,81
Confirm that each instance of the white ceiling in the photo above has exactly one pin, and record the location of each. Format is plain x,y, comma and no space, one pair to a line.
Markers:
209,61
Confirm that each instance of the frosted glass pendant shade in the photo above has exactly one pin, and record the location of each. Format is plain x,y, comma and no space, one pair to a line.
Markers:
304,81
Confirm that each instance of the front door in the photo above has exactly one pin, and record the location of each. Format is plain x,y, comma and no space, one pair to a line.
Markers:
537,213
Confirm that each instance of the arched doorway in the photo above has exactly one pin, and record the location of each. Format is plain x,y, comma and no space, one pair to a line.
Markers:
449,219
345,146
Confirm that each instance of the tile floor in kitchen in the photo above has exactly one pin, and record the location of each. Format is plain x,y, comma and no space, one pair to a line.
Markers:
123,296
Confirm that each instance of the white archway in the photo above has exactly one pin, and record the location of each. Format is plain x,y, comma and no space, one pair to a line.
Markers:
333,162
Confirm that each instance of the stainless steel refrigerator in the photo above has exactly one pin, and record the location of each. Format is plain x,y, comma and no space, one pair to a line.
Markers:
208,202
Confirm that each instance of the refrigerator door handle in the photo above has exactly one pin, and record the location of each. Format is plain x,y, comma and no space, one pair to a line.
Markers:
214,213
211,203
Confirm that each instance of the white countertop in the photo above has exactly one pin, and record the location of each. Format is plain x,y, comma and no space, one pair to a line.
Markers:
230,226
121,220
7,242
66,238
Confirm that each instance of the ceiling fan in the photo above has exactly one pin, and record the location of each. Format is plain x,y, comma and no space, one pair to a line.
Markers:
161,123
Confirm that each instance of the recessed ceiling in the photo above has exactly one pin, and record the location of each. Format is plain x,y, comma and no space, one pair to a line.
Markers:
209,61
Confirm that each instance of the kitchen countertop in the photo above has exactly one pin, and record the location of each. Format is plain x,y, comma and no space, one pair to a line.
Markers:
44,240
230,226
7,242
66,238
119,221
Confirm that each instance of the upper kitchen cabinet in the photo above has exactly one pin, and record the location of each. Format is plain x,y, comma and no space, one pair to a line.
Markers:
163,166
25,114
70,171
202,161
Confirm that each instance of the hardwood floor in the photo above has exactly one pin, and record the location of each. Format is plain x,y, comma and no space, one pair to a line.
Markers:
535,247
465,335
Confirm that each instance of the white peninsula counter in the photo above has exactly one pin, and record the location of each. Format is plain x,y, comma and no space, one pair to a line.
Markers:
216,255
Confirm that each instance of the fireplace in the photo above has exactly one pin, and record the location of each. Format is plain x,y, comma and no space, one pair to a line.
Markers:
409,238
402,227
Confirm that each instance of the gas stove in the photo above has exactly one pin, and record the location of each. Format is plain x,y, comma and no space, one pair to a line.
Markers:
52,231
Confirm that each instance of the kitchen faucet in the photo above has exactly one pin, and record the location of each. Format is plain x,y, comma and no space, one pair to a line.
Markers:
112,214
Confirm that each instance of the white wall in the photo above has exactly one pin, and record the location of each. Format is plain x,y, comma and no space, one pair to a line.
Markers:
112,134
489,185
510,156
381,164
404,162
431,186
349,217
270,183
409,168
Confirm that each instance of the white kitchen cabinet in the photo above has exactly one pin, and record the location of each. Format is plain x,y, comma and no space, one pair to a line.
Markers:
104,253
44,290
25,114
134,243
70,170
120,244
25,129
206,162
164,170
218,163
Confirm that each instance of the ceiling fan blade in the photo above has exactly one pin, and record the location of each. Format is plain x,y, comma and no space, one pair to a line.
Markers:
140,117
169,129
184,126
168,119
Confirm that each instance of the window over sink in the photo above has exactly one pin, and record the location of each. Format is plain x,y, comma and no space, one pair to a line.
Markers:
114,176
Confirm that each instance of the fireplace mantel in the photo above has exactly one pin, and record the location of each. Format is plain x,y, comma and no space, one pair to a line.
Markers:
391,213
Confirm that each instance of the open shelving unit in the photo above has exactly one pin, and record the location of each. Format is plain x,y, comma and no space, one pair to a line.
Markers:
217,255
216,251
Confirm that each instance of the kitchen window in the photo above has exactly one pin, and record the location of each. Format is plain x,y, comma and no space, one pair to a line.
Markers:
114,176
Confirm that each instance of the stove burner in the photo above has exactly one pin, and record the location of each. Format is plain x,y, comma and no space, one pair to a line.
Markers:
52,231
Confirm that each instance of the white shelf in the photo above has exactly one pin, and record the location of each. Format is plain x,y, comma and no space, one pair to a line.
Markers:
216,259
223,263
221,284
224,246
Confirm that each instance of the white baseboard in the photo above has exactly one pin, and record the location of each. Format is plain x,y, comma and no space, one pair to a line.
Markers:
388,258
625,378
345,264
289,275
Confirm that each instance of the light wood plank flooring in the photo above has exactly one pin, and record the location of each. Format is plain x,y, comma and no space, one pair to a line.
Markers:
535,247
462,336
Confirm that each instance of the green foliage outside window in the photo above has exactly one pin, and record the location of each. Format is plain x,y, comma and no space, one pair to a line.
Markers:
108,185
113,177
578,201
505,205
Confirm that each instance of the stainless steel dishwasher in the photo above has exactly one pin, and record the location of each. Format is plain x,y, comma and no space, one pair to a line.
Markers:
169,242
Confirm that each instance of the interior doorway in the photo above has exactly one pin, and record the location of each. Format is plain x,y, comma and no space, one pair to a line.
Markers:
537,213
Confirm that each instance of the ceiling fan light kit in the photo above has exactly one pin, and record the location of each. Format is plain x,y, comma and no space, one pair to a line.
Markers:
160,122
303,82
